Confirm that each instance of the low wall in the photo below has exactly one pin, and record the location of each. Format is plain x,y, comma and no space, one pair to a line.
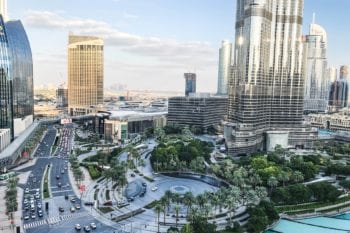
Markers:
200,177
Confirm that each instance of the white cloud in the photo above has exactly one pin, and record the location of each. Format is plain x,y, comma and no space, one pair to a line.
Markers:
168,57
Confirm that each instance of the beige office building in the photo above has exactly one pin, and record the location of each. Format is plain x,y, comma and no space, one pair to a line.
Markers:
85,74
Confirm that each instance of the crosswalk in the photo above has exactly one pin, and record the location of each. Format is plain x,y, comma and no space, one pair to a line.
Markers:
53,220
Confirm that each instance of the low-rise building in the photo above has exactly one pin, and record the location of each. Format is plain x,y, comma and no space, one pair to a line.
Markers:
201,111
5,138
337,121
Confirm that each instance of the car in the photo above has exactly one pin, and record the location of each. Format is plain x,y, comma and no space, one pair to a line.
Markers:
130,199
65,168
72,209
61,209
77,227
57,177
31,175
144,184
59,185
72,199
89,203
66,197
132,174
37,196
142,194
40,213
39,205
93,226
87,229
77,207
26,217
108,203
62,171
155,188
26,191
33,216
25,201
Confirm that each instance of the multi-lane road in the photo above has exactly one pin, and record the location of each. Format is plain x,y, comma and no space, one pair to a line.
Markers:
63,210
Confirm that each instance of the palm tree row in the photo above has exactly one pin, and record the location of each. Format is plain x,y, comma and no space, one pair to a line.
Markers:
11,195
77,172
206,205
116,173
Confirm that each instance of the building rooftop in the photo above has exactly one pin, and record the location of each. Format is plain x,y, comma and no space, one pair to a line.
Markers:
131,115
13,147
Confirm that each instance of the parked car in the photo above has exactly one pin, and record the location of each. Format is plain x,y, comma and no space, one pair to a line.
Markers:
87,229
93,225
77,227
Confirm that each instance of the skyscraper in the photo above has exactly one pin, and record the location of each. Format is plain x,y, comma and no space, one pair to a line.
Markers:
266,90
316,78
85,74
339,91
3,9
190,82
6,103
225,54
22,69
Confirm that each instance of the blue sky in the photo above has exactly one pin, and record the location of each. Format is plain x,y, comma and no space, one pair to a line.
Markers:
149,44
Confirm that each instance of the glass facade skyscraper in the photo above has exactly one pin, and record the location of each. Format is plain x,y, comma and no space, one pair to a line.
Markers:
266,90
85,74
6,103
190,79
22,69
225,54
316,78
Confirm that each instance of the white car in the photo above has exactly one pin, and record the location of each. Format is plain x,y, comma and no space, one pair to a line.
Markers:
155,188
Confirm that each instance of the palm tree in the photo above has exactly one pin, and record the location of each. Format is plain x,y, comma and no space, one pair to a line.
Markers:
231,202
188,200
177,209
207,208
158,209
272,182
168,196
215,201
284,177
298,176
255,179
164,204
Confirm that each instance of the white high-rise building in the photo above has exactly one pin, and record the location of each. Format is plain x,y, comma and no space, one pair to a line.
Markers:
225,54
316,75
266,90
3,9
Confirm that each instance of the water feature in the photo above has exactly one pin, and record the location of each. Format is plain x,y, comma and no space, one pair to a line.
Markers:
335,224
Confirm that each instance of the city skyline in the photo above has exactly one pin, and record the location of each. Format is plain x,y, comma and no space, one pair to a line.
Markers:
140,51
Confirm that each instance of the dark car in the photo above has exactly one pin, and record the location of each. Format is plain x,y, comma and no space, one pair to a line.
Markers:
144,184
61,209
66,197
108,203
142,194
89,203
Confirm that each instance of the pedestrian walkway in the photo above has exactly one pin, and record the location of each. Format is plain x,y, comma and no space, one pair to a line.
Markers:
34,224
54,220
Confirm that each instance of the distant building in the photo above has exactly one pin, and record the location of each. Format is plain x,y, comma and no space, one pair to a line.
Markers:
85,74
190,79
5,138
197,111
339,121
225,54
339,91
316,78
121,124
62,97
